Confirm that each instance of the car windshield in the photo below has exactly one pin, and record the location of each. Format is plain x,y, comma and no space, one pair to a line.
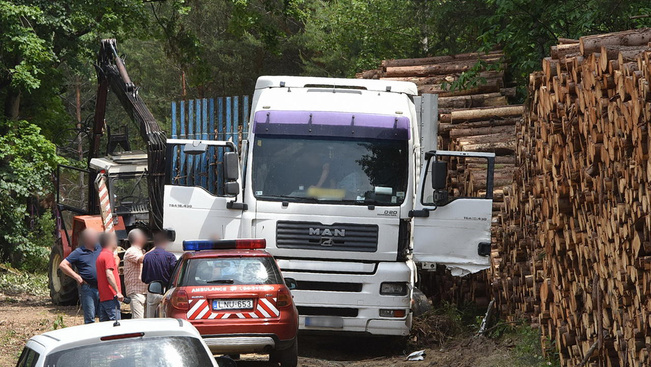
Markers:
301,169
135,352
231,270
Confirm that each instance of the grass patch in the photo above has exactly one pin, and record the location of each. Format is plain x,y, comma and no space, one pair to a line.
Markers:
525,342
34,284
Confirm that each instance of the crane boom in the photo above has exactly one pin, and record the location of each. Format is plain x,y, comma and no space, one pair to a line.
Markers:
112,75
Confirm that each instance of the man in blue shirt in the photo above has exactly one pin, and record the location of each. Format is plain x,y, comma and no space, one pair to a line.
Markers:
83,258
158,264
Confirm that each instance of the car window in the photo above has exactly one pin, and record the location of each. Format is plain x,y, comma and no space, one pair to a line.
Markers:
231,270
176,274
135,352
28,358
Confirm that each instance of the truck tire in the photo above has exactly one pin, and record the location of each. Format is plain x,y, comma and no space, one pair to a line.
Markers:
63,289
286,357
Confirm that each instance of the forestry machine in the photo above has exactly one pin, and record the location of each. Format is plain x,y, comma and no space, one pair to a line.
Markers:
119,190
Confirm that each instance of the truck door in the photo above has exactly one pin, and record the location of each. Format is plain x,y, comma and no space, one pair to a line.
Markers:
452,213
202,198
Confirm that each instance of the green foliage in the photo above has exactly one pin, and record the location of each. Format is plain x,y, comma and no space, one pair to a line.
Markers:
347,36
59,323
526,29
20,284
471,78
27,160
24,53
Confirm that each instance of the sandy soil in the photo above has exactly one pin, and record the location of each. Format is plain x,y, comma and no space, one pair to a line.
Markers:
23,317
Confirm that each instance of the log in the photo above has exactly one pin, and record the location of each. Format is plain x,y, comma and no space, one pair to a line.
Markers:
441,59
636,37
485,86
474,100
486,113
562,50
445,126
438,79
433,69
473,131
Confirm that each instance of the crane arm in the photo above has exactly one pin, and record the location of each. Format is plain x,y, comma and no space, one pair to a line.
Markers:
112,75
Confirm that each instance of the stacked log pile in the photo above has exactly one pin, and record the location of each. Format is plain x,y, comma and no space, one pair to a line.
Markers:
575,244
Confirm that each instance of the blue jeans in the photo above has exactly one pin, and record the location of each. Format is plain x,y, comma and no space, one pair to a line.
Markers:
109,310
89,299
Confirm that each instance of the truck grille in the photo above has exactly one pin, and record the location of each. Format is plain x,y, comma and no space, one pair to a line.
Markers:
336,237
327,311
304,285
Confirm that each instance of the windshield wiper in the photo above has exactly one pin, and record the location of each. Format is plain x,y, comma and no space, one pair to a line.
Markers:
300,199
221,281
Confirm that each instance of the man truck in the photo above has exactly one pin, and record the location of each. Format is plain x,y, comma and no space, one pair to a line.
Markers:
343,179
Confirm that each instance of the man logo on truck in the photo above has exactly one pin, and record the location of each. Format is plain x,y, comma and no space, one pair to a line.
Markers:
327,232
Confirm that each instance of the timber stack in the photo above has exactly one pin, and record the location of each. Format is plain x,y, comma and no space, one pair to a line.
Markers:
575,244
474,115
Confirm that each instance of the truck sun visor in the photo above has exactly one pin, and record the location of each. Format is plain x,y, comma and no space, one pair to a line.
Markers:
335,124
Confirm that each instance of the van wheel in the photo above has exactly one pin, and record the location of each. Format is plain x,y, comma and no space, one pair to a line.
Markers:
63,289
286,357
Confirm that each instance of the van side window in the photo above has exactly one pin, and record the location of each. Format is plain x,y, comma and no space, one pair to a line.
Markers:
28,358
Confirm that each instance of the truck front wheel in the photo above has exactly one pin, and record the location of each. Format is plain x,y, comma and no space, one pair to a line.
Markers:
63,289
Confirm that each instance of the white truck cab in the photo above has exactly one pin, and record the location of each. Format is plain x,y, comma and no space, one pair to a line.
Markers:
331,177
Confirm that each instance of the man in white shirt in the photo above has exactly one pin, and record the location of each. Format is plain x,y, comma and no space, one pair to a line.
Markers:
135,288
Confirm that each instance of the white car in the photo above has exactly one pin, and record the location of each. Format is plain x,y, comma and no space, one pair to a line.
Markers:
127,343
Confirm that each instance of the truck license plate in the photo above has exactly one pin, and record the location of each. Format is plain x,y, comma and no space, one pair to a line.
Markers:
232,304
330,322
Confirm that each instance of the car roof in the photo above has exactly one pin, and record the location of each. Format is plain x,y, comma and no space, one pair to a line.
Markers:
225,253
81,335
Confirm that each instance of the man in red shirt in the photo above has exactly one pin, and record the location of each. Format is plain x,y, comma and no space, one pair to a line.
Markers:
108,279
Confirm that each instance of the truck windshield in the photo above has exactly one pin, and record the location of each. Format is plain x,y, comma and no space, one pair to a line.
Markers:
333,171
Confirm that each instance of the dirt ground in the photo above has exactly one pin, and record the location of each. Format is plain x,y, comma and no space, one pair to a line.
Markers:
23,317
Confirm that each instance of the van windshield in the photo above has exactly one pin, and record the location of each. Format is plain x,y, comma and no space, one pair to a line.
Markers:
361,171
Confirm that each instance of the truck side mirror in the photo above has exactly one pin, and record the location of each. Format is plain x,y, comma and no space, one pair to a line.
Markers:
439,174
231,166
156,287
232,188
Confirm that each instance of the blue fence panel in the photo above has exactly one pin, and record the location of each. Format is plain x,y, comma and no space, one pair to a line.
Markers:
201,119
181,173
211,165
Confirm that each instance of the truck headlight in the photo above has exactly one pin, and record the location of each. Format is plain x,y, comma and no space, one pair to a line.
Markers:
393,289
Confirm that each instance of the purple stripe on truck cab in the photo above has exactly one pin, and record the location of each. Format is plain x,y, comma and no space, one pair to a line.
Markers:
336,124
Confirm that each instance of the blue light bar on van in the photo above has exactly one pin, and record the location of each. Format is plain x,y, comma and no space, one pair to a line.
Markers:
243,244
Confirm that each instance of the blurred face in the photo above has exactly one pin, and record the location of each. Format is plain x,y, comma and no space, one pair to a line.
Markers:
137,238
90,238
160,240
113,241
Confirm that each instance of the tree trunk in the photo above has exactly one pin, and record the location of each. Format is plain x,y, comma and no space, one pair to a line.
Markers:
12,104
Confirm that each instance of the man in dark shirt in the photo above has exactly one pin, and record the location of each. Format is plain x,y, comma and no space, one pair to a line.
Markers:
83,258
157,265
108,279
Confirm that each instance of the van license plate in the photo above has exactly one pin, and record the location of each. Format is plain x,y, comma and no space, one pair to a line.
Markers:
232,304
